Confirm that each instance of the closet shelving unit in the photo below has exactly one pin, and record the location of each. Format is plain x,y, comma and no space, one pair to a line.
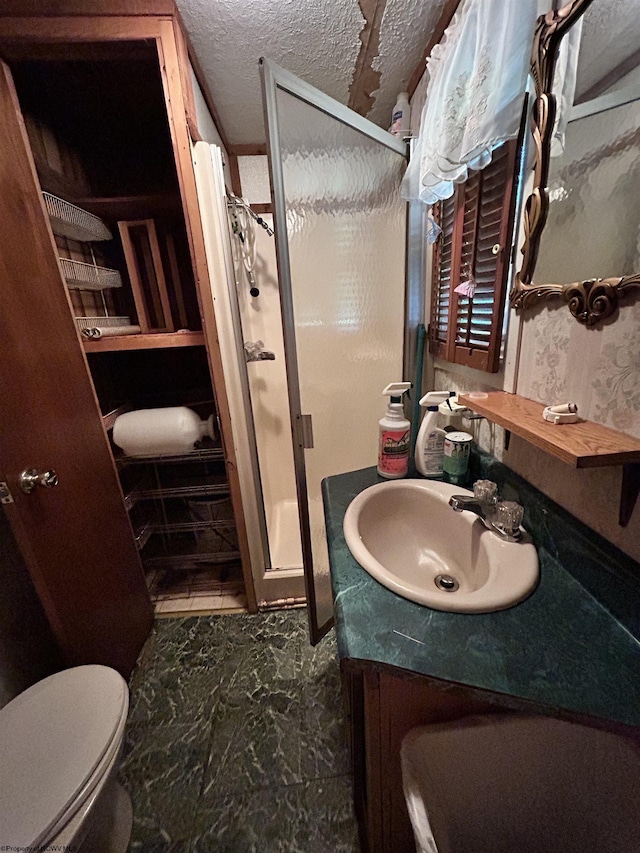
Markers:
97,109
180,506
181,516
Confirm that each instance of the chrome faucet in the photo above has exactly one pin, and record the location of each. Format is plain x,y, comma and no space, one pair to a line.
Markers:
500,517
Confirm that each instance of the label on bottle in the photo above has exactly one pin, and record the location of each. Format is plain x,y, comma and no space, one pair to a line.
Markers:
457,449
433,452
396,123
393,457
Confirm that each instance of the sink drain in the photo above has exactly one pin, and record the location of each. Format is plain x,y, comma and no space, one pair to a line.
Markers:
447,583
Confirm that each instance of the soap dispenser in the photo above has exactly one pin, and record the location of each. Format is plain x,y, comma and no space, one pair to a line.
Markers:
395,434
429,453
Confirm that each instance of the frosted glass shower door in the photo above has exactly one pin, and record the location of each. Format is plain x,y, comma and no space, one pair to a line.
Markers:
340,238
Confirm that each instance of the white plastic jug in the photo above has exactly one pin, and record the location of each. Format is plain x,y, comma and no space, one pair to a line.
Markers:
160,432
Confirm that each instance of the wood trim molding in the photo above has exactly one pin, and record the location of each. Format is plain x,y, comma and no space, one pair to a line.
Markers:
449,10
256,150
366,79
202,82
187,86
234,168
195,235
262,208
80,8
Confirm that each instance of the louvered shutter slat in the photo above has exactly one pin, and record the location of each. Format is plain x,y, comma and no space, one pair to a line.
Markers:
475,220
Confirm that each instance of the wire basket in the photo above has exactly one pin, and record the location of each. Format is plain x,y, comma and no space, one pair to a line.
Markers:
73,222
81,276
108,322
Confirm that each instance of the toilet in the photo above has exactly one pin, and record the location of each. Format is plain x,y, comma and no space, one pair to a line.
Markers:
60,743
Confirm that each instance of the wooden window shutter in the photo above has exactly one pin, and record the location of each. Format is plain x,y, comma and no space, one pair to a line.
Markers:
444,214
467,329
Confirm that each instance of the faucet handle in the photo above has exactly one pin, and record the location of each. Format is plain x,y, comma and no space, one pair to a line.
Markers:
509,516
486,491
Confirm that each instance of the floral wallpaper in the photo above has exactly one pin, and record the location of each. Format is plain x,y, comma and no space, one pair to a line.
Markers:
616,381
599,369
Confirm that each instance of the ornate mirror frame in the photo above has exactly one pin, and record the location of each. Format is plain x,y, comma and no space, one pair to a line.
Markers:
594,299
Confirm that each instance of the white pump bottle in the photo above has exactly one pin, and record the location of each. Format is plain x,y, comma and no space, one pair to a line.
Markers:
394,441
429,453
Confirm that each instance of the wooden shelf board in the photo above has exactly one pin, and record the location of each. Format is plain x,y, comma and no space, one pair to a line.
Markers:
583,445
132,207
161,340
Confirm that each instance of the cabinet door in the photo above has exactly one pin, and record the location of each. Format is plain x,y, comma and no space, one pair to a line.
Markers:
75,537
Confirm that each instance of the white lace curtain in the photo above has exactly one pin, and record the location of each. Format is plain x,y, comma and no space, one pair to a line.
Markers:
477,79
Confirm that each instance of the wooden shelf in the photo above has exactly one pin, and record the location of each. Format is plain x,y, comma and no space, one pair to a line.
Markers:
583,445
161,340
132,207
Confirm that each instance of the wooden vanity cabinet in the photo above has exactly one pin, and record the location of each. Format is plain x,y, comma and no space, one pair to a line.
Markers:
77,538
383,704
382,707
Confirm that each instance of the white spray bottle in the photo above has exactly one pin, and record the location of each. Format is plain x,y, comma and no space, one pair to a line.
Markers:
429,454
395,434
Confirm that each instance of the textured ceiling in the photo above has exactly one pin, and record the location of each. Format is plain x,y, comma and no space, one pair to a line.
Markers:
319,40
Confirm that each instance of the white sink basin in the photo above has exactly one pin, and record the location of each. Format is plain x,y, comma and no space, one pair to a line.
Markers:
405,535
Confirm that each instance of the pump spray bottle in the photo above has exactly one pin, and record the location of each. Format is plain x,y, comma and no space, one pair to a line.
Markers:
429,454
395,434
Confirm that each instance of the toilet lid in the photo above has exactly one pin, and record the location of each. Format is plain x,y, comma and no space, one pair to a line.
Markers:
52,738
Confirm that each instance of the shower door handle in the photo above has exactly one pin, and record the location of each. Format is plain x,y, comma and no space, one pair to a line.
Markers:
30,478
305,431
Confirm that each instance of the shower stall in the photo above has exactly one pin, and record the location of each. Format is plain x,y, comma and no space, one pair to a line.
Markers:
333,313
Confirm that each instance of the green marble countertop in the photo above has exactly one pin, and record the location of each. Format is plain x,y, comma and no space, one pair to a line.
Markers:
561,648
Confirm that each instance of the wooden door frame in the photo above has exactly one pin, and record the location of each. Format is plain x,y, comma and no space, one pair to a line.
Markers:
172,56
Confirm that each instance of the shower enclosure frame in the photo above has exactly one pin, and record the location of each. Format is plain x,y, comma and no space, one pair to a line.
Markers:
273,79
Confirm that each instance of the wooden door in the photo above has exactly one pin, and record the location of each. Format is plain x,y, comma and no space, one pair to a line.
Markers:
76,537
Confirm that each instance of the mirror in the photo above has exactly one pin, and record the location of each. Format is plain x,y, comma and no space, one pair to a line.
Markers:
581,219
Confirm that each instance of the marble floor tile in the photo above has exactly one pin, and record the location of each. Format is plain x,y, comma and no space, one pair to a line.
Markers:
312,817
256,741
163,770
237,739
175,696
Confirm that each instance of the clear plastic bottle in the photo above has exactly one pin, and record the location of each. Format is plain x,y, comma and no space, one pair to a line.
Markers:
395,435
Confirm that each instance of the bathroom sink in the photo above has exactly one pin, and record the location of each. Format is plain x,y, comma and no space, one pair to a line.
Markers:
407,537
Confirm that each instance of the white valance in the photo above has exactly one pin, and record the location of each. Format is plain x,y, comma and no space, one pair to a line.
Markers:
477,79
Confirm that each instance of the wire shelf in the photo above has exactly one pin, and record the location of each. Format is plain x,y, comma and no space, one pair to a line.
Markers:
188,562
178,490
73,222
144,531
200,454
102,322
81,276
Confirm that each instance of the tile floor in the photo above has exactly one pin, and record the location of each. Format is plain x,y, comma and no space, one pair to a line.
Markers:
236,740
